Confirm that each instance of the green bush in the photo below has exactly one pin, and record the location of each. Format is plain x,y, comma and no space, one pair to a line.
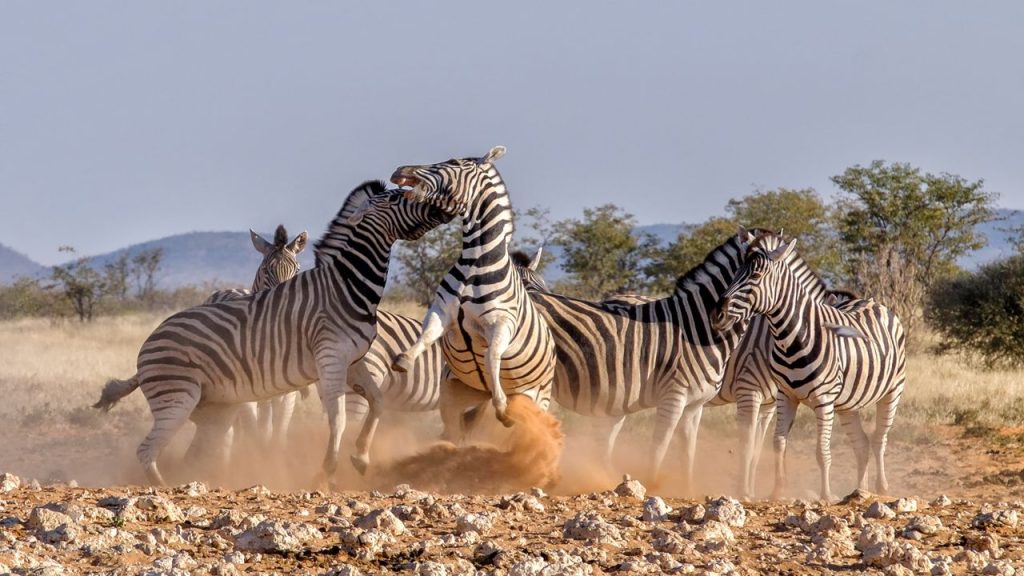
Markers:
983,312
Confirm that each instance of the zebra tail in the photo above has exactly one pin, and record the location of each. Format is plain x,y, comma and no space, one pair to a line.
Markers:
115,390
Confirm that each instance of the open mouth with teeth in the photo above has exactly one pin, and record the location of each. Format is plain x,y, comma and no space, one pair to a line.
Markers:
406,179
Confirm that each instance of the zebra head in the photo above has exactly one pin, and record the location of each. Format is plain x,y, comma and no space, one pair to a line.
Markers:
391,214
757,284
452,185
527,268
280,259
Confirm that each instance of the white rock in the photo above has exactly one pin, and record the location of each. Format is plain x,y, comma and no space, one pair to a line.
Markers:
382,519
941,502
999,568
714,535
926,525
9,483
276,536
879,510
52,527
159,509
904,505
479,523
431,569
344,571
655,509
727,510
1007,518
630,488
591,527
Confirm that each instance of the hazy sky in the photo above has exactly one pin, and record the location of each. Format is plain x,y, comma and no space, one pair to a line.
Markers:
122,122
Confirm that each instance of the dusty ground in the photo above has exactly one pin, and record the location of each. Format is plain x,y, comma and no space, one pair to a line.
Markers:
587,525
959,433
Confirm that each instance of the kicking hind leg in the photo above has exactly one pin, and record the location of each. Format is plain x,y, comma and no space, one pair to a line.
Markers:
171,403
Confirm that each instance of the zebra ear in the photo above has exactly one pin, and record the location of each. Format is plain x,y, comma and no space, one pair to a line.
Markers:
261,245
361,206
494,154
535,261
782,252
744,236
299,244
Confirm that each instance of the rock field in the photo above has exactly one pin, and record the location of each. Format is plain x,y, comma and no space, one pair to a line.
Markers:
192,529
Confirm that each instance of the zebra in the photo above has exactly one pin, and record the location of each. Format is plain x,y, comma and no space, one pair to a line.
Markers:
203,362
494,339
270,418
280,262
747,382
837,360
380,389
635,353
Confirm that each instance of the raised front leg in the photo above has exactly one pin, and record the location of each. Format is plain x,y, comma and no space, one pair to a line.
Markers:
498,335
825,415
439,316
785,407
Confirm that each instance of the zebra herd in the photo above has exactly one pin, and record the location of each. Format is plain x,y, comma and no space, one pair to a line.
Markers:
751,325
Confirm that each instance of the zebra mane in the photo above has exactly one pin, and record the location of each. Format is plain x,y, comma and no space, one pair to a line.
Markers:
340,229
728,255
520,259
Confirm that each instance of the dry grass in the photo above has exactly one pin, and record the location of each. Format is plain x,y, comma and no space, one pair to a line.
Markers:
50,375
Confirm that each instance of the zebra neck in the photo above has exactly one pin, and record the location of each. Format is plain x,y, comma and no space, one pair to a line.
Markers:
487,226
794,313
357,262
710,279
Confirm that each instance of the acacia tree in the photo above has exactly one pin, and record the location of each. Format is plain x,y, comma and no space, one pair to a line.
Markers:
424,262
116,274
145,265
799,213
901,229
602,254
79,283
982,312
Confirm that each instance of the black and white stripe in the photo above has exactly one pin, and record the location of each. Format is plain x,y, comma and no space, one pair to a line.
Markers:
838,360
495,341
632,354
269,419
204,362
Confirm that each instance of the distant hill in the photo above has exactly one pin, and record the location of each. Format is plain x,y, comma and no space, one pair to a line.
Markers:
228,259
224,258
14,265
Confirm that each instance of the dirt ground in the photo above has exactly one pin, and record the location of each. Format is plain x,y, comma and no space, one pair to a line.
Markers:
957,506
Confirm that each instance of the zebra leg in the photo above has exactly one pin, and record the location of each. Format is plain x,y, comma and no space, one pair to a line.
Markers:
691,426
454,400
371,397
332,370
854,428
435,323
667,417
265,423
211,446
786,409
499,336
284,407
764,419
747,411
825,415
613,425
171,403
885,413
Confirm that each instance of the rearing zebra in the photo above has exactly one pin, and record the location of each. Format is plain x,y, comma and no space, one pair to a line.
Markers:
203,362
837,360
494,339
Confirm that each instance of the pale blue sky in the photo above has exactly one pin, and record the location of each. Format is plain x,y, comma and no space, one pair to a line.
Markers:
126,121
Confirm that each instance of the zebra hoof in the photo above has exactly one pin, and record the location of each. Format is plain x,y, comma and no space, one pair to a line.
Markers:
505,420
402,363
360,464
